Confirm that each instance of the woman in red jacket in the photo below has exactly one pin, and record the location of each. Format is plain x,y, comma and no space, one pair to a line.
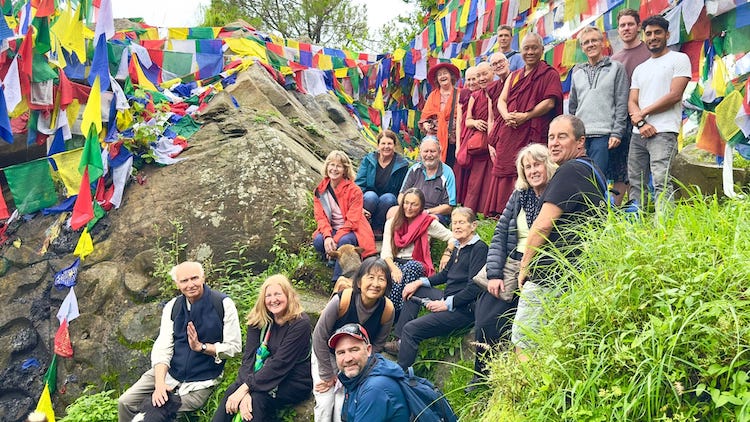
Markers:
338,210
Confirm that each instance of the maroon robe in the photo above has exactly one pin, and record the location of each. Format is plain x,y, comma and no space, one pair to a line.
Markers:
478,171
459,171
524,93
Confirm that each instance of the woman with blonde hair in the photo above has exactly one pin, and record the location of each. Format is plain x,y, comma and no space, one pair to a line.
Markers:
338,207
496,307
275,369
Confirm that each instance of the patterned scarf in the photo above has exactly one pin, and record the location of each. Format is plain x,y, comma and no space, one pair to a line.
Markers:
530,204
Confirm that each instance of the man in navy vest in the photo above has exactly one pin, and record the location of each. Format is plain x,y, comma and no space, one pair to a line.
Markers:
198,330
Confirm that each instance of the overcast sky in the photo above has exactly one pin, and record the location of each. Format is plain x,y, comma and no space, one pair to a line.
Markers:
182,13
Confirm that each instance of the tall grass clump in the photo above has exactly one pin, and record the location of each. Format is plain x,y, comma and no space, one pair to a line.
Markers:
654,325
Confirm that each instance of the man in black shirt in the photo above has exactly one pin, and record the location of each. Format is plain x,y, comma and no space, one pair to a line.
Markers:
572,195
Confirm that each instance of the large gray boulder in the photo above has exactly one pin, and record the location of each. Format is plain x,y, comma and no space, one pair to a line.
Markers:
245,165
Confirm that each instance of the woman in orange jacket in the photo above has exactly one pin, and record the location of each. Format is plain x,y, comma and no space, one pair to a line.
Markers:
337,204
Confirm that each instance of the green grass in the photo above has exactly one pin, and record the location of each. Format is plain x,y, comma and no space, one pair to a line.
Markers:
654,325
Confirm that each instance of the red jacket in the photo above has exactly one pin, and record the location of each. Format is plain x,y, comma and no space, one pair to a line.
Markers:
349,197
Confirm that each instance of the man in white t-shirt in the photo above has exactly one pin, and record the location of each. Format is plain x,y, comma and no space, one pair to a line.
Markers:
656,112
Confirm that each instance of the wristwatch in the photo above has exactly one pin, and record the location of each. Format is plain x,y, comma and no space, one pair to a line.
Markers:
203,347
641,124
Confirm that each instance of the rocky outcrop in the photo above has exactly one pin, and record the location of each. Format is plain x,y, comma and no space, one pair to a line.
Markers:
244,165
694,169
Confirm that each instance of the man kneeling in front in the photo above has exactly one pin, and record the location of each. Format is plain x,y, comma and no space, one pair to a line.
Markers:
372,394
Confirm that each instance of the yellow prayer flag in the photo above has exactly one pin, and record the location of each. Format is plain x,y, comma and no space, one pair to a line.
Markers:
378,103
412,118
247,48
439,36
719,80
463,20
92,114
72,111
726,111
399,54
21,108
292,44
325,62
67,170
342,72
460,64
150,34
85,245
179,33
143,81
170,83
569,53
70,31
45,404
11,21
524,5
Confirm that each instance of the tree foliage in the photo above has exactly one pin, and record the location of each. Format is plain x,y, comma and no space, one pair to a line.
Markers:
402,29
332,23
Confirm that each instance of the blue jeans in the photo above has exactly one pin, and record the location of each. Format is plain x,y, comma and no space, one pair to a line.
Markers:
651,156
597,148
378,206
319,244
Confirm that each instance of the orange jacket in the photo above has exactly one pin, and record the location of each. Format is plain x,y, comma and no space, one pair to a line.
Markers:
432,108
349,197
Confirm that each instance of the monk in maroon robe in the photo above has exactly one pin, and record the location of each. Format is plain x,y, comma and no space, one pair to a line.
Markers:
479,119
460,171
531,98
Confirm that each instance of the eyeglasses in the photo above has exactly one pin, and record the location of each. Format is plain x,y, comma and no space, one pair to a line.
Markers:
591,41
498,63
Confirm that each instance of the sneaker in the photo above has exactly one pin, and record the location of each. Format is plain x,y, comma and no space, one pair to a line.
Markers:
391,347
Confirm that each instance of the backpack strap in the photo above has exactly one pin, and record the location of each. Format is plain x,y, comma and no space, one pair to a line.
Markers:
387,312
345,298
600,181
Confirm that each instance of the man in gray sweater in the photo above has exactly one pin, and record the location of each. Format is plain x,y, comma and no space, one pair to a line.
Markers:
599,97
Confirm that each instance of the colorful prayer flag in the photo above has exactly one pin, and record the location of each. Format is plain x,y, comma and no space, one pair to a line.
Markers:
63,346
67,276
45,405
85,245
69,308
83,210
50,377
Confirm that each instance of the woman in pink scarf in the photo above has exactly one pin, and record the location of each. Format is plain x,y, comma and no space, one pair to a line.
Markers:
406,242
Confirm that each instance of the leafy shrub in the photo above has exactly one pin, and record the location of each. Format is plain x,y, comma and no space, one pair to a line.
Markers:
654,325
96,407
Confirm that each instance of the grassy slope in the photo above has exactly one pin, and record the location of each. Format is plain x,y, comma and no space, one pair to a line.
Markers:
654,326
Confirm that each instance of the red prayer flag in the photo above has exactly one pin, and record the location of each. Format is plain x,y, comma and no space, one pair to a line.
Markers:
65,91
3,207
25,60
63,346
83,209
709,139
43,7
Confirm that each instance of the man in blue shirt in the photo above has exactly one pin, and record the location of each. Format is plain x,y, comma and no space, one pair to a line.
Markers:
372,392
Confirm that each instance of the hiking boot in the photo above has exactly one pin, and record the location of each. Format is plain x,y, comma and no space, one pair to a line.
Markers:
391,347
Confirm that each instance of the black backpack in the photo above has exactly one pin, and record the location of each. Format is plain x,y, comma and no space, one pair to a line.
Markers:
425,401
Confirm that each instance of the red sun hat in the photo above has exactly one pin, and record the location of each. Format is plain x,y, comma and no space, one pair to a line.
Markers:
450,67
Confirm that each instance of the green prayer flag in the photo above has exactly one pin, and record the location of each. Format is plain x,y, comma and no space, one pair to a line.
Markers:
31,185
92,156
431,33
98,214
42,43
127,87
41,70
353,74
177,63
186,127
50,377
201,33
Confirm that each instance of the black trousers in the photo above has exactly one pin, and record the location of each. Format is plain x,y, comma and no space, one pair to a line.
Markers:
494,318
412,330
264,405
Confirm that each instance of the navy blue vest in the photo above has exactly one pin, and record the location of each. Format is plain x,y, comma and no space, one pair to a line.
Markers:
188,365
